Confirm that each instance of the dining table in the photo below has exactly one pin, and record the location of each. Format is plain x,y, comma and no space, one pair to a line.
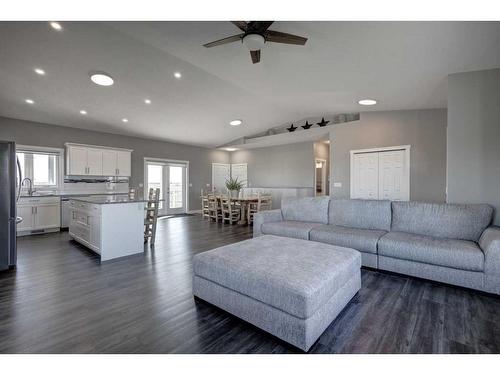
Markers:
244,204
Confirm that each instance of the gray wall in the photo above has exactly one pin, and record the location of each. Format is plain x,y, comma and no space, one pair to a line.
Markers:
474,138
424,130
200,159
279,166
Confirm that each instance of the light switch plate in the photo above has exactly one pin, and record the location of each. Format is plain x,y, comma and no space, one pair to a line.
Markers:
337,184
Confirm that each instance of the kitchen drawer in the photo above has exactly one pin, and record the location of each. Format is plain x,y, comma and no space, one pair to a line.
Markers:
33,201
80,232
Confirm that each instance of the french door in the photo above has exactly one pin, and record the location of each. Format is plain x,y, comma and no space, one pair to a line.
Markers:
170,178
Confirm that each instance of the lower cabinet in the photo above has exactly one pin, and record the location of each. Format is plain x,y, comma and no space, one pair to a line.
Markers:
85,224
40,215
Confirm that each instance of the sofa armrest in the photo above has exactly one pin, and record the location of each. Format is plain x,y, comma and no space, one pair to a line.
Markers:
268,216
490,245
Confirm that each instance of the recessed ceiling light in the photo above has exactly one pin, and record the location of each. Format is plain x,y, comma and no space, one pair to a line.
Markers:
147,101
39,71
83,112
177,75
30,101
102,79
235,122
230,149
124,120
56,26
367,102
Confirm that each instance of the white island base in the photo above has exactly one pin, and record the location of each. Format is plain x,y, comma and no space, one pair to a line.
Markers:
112,227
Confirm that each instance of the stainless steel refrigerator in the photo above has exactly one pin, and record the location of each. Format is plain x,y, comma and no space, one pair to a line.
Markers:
10,185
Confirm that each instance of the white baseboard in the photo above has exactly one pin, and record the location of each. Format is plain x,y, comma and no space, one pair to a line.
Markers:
194,212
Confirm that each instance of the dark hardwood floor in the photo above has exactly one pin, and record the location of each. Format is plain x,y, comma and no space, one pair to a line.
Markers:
62,300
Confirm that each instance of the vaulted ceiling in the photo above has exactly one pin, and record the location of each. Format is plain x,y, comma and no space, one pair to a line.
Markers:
403,65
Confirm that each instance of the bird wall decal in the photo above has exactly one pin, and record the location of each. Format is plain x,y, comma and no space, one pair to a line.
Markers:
322,122
291,128
307,125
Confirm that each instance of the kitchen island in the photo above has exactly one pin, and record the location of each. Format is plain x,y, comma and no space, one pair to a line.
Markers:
112,226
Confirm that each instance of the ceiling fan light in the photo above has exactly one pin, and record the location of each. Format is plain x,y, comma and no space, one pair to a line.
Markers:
254,42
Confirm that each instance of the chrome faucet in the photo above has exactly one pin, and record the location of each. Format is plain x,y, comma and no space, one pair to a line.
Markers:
30,188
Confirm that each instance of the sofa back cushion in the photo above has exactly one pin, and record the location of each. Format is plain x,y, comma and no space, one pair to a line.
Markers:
360,213
455,221
310,209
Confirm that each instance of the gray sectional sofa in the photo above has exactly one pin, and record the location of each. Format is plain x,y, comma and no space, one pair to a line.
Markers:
450,243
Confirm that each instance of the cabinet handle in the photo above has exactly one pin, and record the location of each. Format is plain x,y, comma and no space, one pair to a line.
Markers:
118,171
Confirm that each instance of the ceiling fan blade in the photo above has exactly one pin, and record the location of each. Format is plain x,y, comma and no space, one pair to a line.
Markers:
255,56
279,37
229,39
242,25
259,26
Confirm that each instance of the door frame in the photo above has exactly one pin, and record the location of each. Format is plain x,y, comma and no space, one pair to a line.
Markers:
323,175
405,148
184,163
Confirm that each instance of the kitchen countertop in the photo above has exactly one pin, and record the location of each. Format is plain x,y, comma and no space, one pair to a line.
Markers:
68,195
103,199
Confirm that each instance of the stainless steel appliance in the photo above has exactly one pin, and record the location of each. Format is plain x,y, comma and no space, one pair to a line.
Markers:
10,188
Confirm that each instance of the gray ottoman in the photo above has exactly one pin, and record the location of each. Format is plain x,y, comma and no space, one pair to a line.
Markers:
288,287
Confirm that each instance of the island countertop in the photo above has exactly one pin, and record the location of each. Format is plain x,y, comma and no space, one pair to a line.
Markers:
107,199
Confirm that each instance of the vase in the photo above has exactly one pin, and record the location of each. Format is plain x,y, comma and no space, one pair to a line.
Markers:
234,193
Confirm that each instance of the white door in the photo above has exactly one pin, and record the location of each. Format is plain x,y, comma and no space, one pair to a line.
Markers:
47,216
77,161
109,167
176,189
220,173
171,180
392,181
27,213
365,176
123,161
94,162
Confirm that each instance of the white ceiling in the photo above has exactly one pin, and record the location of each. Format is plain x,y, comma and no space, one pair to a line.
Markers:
403,65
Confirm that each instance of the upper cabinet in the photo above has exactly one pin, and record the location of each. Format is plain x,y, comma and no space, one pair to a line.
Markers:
83,160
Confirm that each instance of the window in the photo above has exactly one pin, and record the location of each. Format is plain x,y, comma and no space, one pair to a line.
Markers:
41,166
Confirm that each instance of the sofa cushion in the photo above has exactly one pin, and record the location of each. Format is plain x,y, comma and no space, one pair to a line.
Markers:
360,213
311,209
364,240
459,254
294,276
455,221
293,229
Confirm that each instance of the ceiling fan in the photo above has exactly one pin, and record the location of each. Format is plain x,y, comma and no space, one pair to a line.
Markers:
255,34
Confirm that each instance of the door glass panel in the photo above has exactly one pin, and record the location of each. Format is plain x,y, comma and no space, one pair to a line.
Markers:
155,179
175,187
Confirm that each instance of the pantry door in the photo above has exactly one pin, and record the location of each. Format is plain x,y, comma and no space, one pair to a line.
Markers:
381,174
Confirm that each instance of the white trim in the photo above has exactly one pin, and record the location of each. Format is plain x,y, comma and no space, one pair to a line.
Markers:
405,148
60,164
68,144
174,162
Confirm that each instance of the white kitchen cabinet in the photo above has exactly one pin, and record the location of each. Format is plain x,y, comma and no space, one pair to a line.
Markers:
47,216
77,161
123,163
27,213
94,162
109,162
40,215
83,160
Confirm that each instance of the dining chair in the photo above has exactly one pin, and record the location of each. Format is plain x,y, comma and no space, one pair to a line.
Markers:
151,217
230,211
264,202
214,209
204,205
